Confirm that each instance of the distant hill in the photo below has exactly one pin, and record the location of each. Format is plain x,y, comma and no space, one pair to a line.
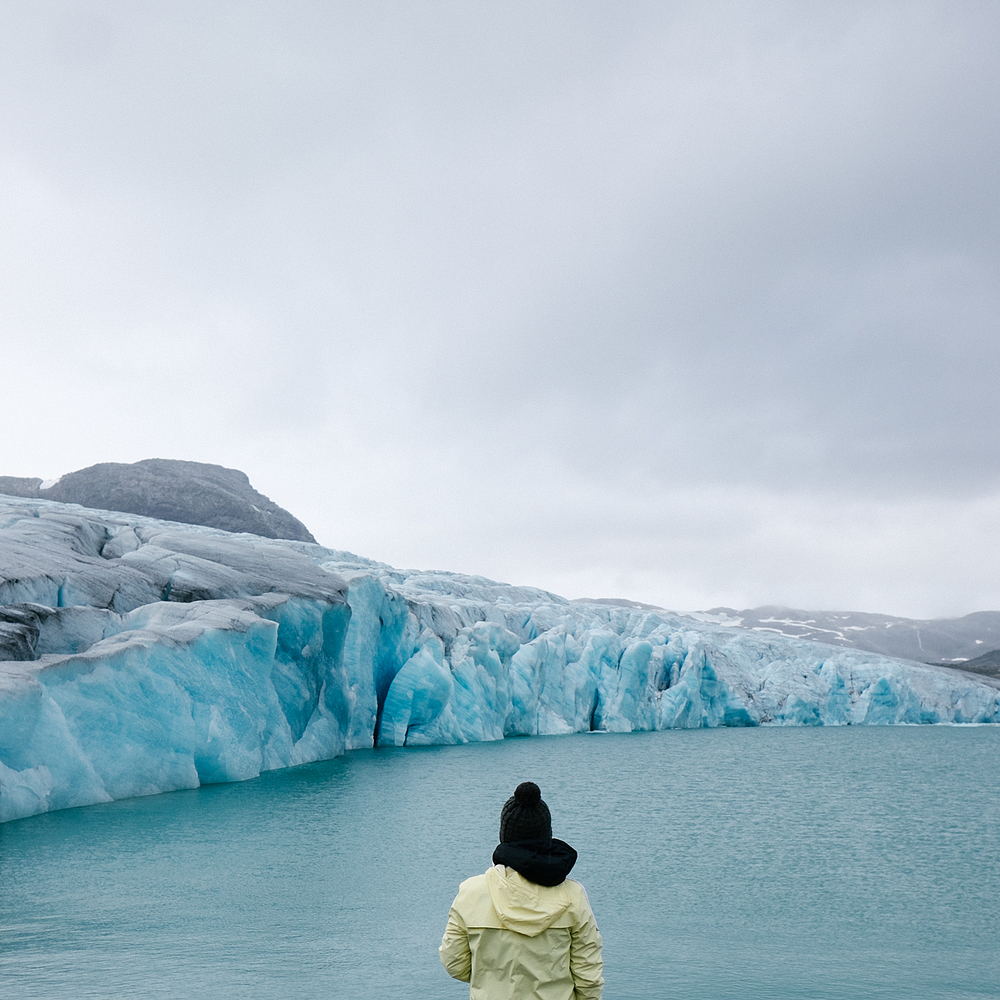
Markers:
189,492
988,664
953,642
620,602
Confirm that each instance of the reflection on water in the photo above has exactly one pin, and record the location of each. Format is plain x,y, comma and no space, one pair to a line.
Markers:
826,863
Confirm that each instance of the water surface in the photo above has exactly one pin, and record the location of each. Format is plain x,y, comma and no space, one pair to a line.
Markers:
785,863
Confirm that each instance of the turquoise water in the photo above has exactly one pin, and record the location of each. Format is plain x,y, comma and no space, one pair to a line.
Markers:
826,863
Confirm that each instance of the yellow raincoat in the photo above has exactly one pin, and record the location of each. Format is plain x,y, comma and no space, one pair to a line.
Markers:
511,939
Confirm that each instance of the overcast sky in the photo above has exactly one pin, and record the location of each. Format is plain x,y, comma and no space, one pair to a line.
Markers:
691,303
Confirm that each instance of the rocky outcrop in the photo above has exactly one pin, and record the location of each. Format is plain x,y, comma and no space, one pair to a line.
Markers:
189,492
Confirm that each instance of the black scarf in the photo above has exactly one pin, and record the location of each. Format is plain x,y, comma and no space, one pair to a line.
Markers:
545,862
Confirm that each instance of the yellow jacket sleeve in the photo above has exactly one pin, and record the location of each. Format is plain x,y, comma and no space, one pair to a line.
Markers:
455,954
585,962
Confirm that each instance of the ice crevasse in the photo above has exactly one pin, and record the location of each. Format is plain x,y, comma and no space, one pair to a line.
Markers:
140,656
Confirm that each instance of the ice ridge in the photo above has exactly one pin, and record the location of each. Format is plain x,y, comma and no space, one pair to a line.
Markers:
139,656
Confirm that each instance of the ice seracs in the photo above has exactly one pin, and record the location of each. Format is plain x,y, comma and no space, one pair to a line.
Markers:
147,656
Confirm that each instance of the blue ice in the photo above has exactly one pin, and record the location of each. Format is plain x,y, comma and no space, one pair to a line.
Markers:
165,656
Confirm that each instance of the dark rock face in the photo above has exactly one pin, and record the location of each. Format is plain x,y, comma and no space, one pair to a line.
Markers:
189,492
18,634
15,486
988,664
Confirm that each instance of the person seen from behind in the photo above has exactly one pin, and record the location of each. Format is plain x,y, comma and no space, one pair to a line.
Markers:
523,931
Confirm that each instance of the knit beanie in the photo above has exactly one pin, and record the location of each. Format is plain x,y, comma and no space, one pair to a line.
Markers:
525,816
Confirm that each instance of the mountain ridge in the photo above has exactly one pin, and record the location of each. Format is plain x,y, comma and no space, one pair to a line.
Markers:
971,642
951,641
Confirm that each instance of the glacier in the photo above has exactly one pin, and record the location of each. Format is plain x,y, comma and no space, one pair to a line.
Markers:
140,656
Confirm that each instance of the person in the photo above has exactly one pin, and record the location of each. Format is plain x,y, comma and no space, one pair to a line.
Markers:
523,930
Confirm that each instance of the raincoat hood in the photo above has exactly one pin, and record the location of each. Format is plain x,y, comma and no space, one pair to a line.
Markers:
546,862
524,906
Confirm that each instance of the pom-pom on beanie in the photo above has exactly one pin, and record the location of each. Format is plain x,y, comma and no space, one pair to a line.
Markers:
525,816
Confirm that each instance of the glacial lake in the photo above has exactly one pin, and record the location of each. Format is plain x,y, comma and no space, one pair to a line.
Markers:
772,863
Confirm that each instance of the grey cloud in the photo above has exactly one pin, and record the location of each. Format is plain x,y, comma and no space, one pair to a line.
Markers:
635,251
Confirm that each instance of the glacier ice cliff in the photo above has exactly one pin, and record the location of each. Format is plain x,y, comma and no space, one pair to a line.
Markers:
140,656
